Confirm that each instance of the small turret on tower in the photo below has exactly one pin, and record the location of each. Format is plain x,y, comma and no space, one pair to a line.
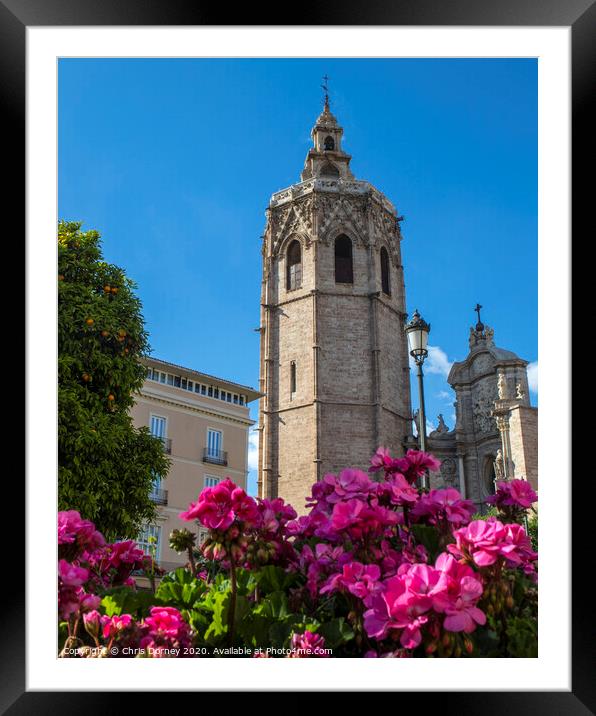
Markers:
326,158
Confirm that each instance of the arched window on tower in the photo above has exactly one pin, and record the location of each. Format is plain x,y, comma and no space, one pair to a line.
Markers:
385,274
294,266
329,170
343,260
329,144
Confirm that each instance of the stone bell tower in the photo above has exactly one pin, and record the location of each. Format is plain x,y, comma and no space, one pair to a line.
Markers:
334,358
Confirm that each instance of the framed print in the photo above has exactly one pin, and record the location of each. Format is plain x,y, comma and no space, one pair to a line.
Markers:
305,277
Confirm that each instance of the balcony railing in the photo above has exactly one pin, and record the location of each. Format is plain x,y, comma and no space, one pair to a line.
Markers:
167,444
159,496
215,457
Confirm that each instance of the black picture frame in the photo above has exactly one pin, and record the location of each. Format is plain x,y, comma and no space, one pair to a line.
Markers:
580,15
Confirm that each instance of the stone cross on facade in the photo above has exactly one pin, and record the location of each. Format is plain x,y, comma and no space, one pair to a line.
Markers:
477,309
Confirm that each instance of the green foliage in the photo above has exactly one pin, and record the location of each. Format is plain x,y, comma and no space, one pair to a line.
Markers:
429,537
180,589
123,600
489,511
106,465
533,530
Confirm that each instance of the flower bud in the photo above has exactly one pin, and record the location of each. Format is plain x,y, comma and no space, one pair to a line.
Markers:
91,620
468,645
219,551
208,550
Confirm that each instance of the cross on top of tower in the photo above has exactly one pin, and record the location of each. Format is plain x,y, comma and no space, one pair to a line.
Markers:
325,87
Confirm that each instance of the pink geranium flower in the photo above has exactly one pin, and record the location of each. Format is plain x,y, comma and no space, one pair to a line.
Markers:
456,594
111,626
402,604
307,645
444,505
71,575
125,552
480,541
348,484
218,507
513,493
358,579
166,621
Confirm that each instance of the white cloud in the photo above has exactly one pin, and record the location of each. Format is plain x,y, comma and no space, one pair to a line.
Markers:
444,395
533,376
253,449
437,361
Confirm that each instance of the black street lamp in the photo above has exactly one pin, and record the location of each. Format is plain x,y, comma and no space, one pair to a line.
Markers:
417,330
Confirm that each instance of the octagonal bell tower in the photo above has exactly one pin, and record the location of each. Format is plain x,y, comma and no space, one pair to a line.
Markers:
334,357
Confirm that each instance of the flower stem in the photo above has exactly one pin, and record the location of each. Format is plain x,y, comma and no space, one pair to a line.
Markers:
232,608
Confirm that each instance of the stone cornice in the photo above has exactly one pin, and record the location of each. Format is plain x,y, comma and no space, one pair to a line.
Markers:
331,186
155,397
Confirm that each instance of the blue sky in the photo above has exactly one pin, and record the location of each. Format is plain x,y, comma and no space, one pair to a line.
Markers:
174,161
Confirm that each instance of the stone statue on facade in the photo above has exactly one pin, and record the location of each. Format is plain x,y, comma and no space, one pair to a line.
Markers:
441,427
416,419
502,387
519,393
499,465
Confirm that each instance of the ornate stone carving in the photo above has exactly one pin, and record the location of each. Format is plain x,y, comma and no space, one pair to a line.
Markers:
482,408
519,393
482,364
449,472
294,218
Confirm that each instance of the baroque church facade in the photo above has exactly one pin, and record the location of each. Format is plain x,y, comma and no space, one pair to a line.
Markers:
334,360
496,428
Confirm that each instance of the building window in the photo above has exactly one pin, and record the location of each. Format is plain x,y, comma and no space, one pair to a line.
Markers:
158,427
329,144
149,540
385,275
214,443
343,260
293,377
294,266
211,481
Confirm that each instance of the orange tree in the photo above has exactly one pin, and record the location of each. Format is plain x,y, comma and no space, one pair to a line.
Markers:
106,466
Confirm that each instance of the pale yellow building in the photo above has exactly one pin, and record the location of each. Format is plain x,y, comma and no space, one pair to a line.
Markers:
204,423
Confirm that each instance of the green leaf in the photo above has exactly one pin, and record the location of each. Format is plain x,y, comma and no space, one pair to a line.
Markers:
429,537
336,632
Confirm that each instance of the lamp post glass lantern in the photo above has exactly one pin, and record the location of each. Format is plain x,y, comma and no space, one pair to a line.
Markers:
417,330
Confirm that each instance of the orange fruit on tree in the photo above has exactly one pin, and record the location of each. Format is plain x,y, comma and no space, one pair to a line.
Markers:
111,397
122,333
114,290
105,334
86,377
89,321
107,289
